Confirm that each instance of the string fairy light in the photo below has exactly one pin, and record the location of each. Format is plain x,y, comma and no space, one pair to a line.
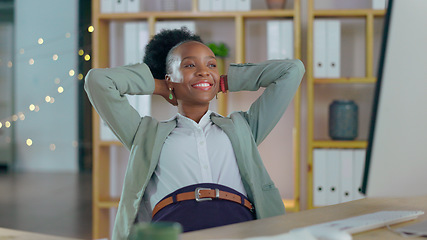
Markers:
7,122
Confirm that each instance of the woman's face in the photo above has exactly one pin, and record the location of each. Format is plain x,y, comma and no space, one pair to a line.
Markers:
194,78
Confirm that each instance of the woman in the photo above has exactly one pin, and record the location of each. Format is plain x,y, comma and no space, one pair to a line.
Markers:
176,165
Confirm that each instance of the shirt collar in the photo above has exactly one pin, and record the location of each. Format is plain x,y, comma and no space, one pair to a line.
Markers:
187,122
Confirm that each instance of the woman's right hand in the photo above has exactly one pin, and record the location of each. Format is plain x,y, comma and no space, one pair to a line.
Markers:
161,88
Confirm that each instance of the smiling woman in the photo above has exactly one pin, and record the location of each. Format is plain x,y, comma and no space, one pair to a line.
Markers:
193,79
198,155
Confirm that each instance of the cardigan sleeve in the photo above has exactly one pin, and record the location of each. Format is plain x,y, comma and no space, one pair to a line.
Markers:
280,78
106,89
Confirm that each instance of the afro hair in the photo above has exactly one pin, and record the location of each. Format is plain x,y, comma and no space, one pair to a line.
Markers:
160,45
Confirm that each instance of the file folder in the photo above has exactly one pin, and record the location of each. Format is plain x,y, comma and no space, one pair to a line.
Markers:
333,177
319,177
346,189
319,49
333,48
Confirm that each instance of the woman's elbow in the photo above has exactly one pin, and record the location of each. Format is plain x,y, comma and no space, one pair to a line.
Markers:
93,78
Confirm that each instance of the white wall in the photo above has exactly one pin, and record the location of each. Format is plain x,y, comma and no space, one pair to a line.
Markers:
55,123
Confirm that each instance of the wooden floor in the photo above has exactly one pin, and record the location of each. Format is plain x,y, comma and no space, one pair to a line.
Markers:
49,203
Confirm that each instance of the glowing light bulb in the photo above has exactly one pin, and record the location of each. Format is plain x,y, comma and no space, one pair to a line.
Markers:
9,64
81,52
40,41
90,29
87,57
55,57
21,116
47,98
21,51
80,76
71,73
60,89
7,124
32,107
15,118
29,142
68,35
37,108
57,80
1,125
31,61
52,100
52,147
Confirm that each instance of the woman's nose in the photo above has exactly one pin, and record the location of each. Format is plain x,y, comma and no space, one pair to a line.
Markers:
203,71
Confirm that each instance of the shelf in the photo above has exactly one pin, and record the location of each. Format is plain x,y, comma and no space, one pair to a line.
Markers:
291,205
108,203
339,144
196,15
348,13
345,80
109,143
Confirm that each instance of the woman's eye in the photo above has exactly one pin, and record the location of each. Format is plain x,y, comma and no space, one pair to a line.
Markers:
189,65
212,65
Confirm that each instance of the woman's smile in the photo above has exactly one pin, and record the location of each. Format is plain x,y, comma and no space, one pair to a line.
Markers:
205,86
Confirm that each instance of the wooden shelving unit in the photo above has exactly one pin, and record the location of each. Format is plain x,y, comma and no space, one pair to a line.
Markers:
102,202
368,15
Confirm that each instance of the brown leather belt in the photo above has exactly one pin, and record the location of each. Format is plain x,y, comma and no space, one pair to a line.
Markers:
203,194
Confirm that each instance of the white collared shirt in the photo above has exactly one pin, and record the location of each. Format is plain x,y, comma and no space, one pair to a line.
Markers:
193,153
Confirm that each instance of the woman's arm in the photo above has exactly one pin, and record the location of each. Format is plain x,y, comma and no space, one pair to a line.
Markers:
281,78
106,89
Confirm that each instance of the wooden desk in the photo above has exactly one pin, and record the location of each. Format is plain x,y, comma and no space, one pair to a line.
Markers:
284,223
8,234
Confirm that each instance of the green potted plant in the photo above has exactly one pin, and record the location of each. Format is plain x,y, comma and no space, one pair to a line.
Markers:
221,51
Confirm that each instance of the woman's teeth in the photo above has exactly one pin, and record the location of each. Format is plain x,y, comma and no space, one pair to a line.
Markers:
202,85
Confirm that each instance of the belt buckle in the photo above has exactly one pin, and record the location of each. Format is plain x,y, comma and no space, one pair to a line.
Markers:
197,194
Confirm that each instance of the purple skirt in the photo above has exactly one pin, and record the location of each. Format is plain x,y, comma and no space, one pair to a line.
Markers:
193,215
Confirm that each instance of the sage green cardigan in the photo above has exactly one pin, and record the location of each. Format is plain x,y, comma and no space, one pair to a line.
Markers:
144,137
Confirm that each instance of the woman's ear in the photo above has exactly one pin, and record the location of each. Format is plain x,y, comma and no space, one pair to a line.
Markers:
168,80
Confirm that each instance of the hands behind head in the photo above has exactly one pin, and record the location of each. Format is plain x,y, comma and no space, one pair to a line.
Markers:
161,88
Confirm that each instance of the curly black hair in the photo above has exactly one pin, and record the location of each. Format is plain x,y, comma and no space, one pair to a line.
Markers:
159,46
